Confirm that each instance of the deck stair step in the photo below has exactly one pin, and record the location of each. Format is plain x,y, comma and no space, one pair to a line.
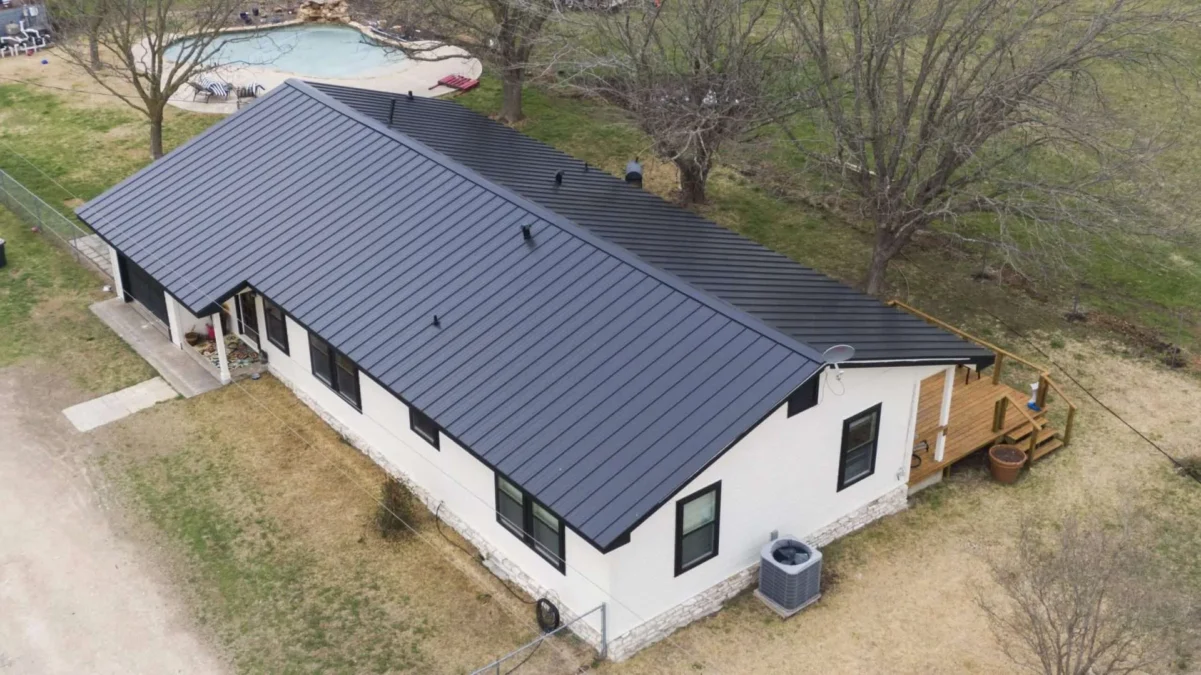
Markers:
1022,434
1047,447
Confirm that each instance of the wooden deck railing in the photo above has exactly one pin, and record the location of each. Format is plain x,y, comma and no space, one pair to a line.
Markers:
1045,383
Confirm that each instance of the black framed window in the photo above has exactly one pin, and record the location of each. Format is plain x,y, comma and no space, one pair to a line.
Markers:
335,370
805,397
319,355
510,505
533,523
698,520
277,326
423,426
860,435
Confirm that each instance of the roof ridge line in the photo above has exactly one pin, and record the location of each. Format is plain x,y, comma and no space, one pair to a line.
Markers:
567,225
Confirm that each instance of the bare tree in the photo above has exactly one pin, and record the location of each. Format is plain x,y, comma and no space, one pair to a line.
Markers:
939,112
694,74
501,33
129,47
1085,600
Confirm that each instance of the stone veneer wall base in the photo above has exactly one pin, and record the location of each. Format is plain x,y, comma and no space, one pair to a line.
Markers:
496,563
711,599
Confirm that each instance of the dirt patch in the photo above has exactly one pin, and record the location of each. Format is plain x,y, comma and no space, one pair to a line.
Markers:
1142,338
79,595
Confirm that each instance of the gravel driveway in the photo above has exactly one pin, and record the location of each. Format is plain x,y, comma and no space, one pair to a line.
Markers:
75,595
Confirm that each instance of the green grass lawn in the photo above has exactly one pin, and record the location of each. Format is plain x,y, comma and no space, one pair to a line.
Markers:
84,148
44,316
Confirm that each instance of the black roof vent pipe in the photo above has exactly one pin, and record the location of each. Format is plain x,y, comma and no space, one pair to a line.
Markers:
634,172
558,178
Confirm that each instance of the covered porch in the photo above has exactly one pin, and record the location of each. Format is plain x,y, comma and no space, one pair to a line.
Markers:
962,411
224,343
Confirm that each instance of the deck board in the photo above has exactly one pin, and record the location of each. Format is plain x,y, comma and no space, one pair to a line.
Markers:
973,400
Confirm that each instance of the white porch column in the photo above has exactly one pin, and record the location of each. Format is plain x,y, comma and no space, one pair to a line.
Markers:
944,413
222,356
173,322
116,263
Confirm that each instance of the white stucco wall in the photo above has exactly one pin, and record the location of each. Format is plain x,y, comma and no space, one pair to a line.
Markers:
181,321
450,475
115,261
781,476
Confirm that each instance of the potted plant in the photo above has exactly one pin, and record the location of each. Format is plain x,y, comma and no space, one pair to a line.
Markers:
192,337
1006,462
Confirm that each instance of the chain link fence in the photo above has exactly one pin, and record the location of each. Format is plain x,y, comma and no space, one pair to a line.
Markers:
65,232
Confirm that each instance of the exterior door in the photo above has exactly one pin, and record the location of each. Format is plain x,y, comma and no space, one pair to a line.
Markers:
248,317
142,287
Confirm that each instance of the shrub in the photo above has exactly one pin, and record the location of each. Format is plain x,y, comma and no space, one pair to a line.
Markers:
397,507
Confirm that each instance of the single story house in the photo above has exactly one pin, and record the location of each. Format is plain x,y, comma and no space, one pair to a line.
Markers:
614,399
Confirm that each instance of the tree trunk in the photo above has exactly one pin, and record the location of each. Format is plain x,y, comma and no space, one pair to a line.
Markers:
156,132
510,87
693,178
885,248
94,50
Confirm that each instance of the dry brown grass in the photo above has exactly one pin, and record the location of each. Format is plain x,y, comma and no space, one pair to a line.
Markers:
275,538
903,601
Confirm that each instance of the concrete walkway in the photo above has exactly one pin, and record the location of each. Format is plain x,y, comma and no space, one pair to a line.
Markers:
112,407
148,338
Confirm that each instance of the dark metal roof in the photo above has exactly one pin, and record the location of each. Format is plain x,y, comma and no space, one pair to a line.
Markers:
598,383
800,302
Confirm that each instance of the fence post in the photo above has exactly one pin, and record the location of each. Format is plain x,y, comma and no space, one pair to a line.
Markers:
604,650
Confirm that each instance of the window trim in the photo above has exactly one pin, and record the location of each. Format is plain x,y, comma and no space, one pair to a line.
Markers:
527,524
679,535
332,355
281,345
875,443
414,415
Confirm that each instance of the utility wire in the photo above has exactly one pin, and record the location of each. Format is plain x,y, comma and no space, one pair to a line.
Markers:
54,88
329,457
1179,465
1090,394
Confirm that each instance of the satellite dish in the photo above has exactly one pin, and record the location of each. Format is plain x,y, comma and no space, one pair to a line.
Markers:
836,355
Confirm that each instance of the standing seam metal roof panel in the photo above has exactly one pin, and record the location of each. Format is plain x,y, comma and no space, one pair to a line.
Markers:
527,328
800,302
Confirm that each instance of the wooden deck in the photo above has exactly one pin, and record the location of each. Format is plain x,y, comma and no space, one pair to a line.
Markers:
971,422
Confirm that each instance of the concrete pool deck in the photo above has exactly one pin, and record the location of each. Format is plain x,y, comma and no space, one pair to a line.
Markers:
415,75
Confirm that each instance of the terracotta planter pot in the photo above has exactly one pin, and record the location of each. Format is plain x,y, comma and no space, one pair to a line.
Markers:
1006,462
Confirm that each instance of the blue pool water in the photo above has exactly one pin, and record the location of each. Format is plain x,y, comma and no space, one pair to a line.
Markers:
309,51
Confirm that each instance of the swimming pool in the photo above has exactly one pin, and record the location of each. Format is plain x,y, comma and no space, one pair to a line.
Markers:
310,50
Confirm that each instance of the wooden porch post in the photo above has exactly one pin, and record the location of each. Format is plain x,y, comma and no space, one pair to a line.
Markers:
222,356
944,413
